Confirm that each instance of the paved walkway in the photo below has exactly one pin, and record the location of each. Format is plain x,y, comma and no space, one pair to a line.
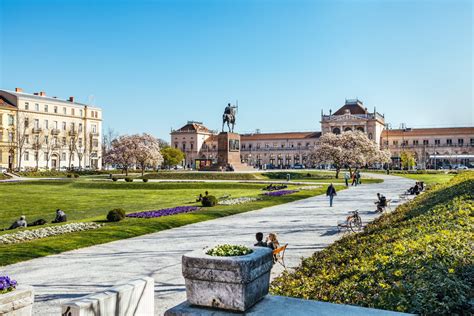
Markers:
307,225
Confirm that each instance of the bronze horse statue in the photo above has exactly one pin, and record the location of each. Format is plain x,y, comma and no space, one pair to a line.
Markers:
229,117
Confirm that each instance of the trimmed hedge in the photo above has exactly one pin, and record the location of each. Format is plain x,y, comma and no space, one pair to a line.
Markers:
209,201
417,259
203,175
116,215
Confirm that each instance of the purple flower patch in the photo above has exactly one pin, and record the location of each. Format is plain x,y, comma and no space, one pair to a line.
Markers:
280,193
164,212
7,284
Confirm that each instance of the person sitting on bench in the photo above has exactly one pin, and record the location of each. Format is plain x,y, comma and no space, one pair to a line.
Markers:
260,242
381,203
19,223
272,242
60,216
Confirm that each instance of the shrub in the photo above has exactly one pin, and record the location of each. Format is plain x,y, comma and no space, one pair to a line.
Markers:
229,251
209,201
69,175
76,175
416,259
116,215
145,180
128,179
114,179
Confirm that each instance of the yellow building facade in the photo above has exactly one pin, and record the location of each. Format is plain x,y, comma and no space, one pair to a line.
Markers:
8,114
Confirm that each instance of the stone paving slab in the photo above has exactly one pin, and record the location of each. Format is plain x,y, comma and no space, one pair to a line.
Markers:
306,225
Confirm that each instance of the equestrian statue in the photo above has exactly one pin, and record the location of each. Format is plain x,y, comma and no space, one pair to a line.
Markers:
229,117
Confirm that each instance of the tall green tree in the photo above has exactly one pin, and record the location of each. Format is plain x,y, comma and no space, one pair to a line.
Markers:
171,156
407,159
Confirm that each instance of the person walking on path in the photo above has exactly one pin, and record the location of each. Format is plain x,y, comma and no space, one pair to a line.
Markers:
354,178
357,177
346,178
331,192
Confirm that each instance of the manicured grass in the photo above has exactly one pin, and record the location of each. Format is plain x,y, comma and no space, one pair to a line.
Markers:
90,201
418,259
429,178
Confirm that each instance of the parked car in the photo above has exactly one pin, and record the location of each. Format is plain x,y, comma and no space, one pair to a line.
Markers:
298,166
461,167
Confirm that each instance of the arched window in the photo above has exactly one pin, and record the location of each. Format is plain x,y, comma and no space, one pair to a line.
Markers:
336,130
370,136
348,129
360,129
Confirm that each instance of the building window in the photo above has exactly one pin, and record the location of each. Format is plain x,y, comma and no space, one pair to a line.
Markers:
79,142
243,146
27,156
336,130
370,136
11,120
64,126
80,113
460,141
37,107
10,136
73,112
64,111
27,106
46,140
191,145
250,146
80,127
184,146
415,142
426,142
94,128
46,108
176,145
258,145
55,124
63,156
55,109
472,141
46,124
64,141
37,123
449,142
437,142
72,156
27,139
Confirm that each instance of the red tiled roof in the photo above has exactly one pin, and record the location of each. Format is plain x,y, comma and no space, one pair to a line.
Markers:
441,131
193,127
274,136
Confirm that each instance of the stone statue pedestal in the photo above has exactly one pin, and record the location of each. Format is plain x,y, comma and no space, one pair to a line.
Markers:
228,149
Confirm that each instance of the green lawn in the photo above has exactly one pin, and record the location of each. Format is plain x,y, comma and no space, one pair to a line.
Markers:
85,200
429,178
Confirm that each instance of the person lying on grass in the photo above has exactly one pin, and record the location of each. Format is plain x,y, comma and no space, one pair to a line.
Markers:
19,223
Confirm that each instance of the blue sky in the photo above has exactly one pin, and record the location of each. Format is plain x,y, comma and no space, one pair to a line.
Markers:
153,65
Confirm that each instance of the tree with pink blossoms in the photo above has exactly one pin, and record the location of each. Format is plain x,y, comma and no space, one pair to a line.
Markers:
351,149
121,153
147,151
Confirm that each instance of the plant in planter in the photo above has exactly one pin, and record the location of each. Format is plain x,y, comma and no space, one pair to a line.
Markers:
228,251
227,276
13,300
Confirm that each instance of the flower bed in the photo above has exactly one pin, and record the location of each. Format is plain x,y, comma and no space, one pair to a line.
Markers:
280,193
229,251
417,259
26,235
164,212
236,201
7,284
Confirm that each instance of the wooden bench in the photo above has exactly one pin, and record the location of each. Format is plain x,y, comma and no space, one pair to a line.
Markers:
279,255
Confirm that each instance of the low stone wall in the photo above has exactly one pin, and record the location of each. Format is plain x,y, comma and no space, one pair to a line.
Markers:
133,298
280,305
18,302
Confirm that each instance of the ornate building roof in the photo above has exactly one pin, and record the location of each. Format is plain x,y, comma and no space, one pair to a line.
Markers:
353,106
4,103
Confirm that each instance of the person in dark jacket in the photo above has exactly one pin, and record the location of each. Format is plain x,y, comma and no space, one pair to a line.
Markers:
331,192
60,216
260,242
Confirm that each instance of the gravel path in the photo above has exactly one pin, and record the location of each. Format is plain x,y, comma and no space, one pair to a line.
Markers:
306,225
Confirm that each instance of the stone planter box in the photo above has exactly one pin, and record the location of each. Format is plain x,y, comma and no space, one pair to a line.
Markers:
135,298
231,283
18,302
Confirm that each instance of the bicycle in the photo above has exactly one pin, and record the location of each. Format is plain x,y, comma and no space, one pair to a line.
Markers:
353,222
